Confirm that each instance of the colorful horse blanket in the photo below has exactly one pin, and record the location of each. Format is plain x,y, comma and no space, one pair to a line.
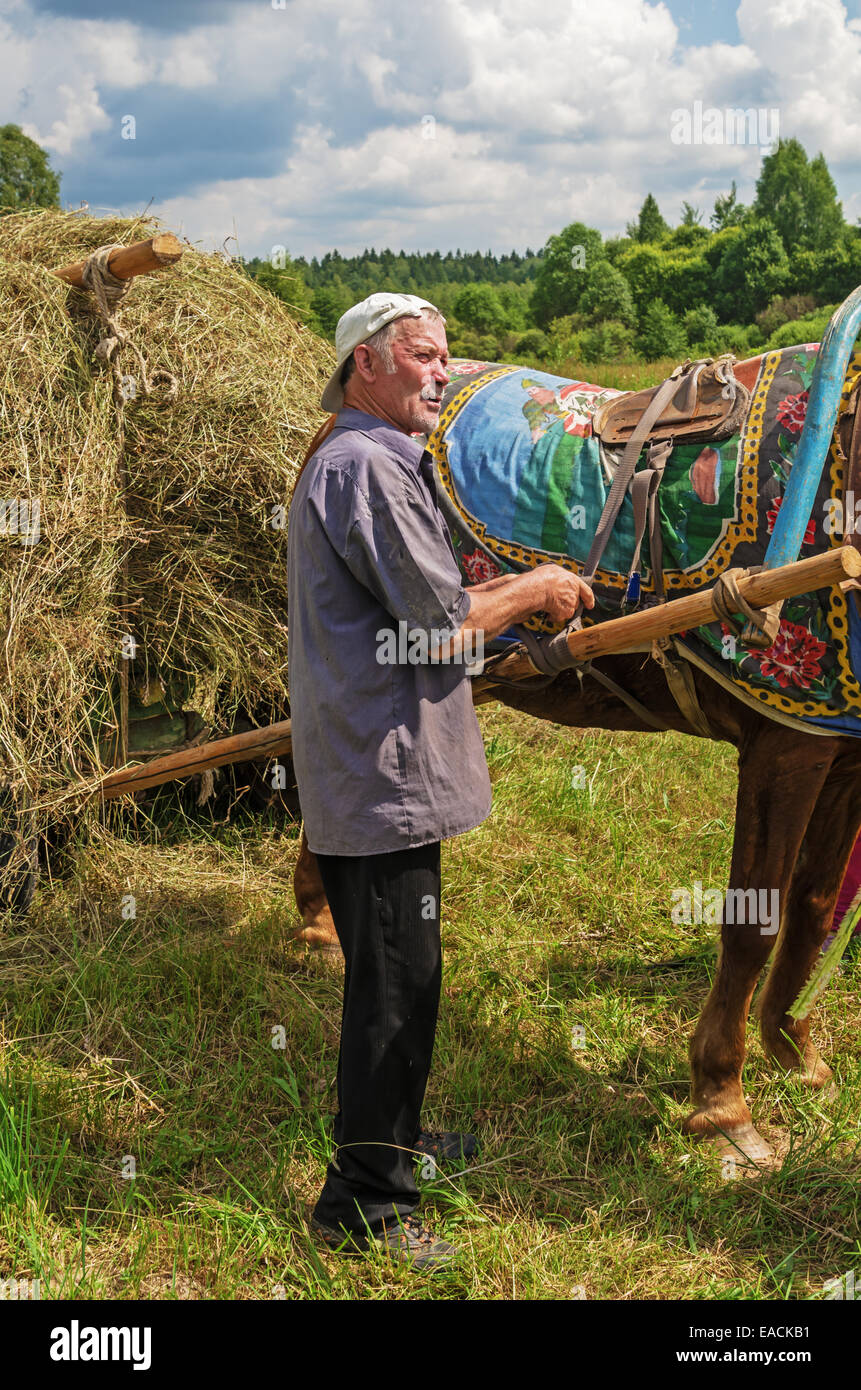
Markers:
524,479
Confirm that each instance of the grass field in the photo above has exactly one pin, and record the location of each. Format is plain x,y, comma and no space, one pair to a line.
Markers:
145,1044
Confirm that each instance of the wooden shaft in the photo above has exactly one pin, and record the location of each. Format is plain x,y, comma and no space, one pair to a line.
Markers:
239,748
616,635
619,634
129,261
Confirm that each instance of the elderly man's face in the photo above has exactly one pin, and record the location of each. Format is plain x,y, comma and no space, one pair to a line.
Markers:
410,396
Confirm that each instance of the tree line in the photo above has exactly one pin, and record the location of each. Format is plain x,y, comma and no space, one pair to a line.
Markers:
763,275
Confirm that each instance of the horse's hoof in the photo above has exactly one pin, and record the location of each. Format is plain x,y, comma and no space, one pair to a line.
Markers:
809,1070
318,940
806,1065
742,1151
817,1075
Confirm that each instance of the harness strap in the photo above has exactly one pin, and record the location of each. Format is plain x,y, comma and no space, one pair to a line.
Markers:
553,657
625,472
680,682
630,700
679,678
644,497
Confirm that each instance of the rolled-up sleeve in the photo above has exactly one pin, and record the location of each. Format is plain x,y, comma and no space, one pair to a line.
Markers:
397,548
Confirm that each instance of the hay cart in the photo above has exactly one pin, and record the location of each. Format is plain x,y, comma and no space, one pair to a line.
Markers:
148,447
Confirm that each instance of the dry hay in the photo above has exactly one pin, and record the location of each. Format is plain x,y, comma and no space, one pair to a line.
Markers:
206,583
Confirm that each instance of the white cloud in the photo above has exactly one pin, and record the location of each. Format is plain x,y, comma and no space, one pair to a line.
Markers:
186,65
117,52
82,116
395,187
812,58
545,110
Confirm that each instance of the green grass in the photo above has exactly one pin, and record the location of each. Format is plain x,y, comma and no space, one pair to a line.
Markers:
151,1039
622,376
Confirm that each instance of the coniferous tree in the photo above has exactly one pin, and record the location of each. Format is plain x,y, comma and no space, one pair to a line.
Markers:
650,225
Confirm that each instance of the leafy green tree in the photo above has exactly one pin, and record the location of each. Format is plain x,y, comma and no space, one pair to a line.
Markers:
610,341
661,334
780,311
563,340
26,178
691,216
560,281
616,246
752,268
650,225
514,298
482,347
642,267
829,274
684,280
607,295
738,338
799,198
689,236
701,329
423,273
728,211
807,330
478,309
532,346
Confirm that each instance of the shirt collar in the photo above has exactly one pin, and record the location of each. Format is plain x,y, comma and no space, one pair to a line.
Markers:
409,449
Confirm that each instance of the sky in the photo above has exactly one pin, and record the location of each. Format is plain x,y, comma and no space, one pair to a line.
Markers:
479,124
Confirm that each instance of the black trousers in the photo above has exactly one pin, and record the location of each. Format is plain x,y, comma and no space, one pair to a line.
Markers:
386,913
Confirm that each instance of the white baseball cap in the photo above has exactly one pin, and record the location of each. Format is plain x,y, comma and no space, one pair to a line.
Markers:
359,324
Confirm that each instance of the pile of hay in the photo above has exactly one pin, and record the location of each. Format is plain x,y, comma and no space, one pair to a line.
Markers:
184,488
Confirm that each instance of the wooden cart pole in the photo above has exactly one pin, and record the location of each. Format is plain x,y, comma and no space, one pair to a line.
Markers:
618,634
240,748
603,639
140,259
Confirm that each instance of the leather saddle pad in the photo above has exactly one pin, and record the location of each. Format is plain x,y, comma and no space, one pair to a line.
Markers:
700,409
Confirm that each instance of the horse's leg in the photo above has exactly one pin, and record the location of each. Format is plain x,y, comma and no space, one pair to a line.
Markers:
780,777
318,929
810,903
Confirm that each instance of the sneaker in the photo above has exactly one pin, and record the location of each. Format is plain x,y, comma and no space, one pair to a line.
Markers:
412,1243
445,1147
407,1240
338,1239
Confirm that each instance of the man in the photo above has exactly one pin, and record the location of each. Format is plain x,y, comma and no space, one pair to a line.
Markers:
388,757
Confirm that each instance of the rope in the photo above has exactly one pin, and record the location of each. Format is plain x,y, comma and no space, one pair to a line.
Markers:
109,292
728,600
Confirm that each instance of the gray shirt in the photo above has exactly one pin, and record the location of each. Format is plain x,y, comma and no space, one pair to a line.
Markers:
388,754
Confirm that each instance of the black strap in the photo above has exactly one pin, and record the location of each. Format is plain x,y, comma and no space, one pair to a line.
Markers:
537,653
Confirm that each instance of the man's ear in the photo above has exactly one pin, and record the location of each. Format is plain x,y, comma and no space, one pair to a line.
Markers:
365,364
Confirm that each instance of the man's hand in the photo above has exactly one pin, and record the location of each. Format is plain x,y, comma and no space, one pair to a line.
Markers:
563,592
494,606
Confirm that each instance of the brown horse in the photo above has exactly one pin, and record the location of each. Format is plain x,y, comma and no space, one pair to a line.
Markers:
798,812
